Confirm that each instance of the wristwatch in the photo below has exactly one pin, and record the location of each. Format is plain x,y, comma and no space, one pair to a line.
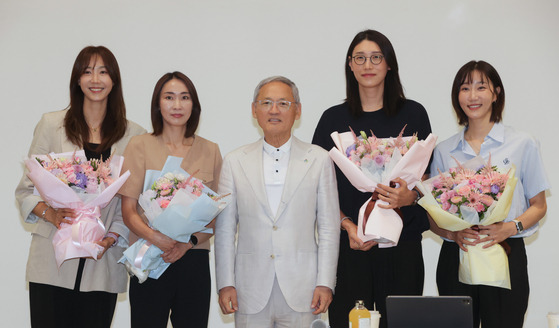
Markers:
519,226
194,240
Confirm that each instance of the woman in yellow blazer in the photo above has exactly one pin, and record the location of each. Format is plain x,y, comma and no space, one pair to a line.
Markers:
82,292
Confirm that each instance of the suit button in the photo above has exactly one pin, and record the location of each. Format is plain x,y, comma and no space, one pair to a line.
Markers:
272,256
275,228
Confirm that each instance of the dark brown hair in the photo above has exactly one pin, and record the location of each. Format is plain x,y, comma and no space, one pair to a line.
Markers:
114,124
393,96
487,72
157,118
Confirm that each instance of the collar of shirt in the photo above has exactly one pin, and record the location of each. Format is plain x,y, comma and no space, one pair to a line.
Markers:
495,136
275,152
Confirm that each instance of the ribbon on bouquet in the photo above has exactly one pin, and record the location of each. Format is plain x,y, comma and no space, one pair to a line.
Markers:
80,238
140,256
85,214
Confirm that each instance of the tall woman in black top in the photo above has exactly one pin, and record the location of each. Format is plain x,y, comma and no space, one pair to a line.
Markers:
375,101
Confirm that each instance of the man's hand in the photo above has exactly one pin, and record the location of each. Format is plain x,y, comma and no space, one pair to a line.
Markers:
321,299
228,300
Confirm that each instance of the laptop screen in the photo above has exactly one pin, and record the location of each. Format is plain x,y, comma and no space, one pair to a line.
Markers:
429,311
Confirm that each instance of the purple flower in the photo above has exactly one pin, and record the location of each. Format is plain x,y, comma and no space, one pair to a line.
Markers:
495,189
349,149
81,180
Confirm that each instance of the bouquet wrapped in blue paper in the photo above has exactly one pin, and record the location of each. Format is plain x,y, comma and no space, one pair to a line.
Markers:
177,205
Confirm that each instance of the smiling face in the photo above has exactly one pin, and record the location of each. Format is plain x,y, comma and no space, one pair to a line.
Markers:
368,75
95,82
175,104
476,97
276,124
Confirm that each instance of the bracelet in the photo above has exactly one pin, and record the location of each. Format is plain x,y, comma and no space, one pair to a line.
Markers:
43,215
417,198
113,236
342,220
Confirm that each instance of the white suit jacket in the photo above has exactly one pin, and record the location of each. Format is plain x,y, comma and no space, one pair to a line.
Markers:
102,275
298,245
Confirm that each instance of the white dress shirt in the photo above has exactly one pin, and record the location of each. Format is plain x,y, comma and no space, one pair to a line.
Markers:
275,162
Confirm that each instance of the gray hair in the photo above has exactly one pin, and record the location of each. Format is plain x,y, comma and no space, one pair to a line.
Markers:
281,79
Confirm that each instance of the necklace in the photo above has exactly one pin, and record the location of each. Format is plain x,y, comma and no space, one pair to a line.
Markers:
93,129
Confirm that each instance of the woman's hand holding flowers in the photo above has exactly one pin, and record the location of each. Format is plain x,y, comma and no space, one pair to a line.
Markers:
354,241
396,197
496,232
106,243
459,237
164,243
56,216
176,252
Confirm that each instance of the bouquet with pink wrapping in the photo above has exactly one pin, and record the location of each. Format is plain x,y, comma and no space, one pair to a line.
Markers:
471,194
69,180
368,161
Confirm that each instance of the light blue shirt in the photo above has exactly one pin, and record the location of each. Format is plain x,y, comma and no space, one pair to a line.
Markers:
506,146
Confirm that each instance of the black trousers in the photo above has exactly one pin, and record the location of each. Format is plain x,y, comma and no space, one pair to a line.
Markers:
494,307
57,307
183,289
372,276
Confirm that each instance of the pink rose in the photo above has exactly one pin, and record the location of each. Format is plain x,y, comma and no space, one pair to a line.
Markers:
163,203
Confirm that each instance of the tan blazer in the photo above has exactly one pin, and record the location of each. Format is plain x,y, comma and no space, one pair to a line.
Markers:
298,245
148,152
102,275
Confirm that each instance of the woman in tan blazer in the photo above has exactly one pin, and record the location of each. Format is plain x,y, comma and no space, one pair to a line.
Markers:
82,292
184,288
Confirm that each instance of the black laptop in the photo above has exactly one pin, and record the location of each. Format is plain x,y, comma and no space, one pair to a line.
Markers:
429,312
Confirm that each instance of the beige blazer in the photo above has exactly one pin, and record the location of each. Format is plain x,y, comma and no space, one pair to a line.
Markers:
148,152
102,275
298,245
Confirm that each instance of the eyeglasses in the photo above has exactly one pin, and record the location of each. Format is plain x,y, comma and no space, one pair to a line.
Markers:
375,59
267,104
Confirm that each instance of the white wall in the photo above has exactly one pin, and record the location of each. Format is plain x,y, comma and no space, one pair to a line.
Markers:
227,47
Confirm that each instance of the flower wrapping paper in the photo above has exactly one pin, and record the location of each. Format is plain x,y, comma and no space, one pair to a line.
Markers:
79,238
383,225
184,215
478,266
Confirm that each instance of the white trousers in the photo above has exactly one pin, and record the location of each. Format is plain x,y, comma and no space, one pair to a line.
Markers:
276,314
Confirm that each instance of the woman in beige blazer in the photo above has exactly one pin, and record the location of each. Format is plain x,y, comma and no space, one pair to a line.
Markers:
184,288
82,292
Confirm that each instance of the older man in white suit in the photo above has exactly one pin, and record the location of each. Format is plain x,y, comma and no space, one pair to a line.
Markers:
282,270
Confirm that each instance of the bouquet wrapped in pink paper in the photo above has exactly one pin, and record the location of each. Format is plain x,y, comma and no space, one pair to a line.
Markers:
177,205
471,194
368,161
69,180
